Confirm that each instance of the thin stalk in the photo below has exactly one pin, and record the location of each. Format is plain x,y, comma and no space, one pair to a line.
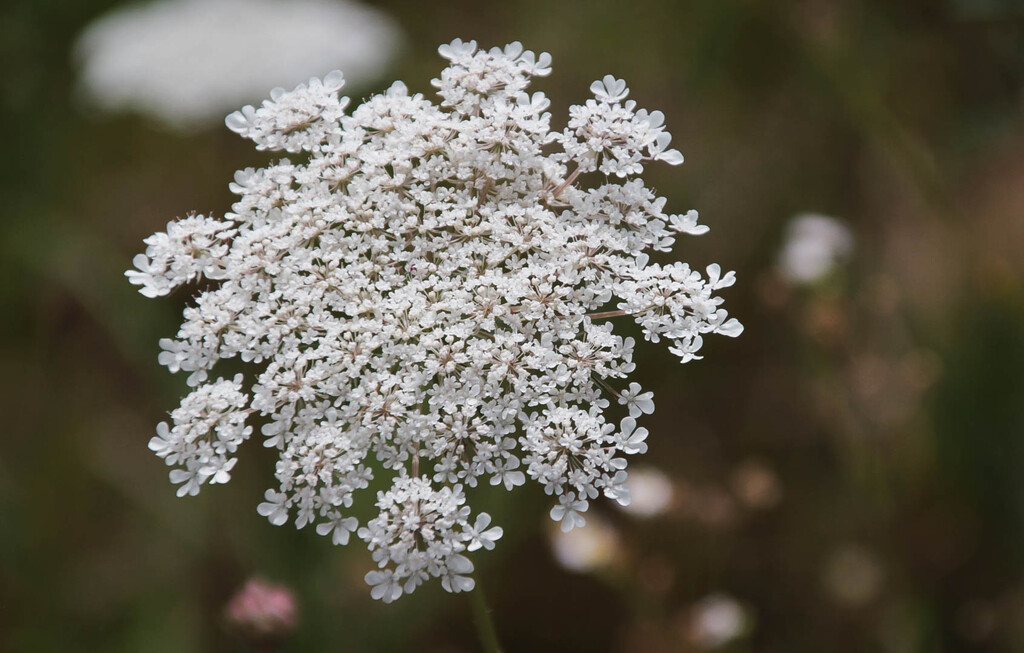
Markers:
598,316
482,619
565,184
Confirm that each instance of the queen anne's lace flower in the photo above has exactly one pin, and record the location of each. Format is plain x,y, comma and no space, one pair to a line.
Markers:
424,292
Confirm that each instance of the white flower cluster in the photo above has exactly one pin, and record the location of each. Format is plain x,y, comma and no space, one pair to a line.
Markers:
424,295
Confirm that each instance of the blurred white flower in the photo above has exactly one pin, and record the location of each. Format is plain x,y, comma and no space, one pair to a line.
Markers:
586,549
650,492
814,245
716,620
189,62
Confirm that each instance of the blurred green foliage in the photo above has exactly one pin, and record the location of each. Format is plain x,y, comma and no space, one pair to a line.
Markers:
884,405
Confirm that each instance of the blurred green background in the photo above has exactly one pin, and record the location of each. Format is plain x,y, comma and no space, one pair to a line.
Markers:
848,475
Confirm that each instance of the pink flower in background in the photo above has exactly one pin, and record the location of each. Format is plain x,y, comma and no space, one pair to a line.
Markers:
262,611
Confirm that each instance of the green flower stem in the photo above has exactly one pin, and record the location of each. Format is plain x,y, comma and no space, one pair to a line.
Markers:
482,619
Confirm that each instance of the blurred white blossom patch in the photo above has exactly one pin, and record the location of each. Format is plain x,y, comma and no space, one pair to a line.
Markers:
814,245
188,62
650,492
716,620
586,549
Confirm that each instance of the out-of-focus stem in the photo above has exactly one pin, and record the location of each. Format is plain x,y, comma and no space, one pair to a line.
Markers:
482,618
